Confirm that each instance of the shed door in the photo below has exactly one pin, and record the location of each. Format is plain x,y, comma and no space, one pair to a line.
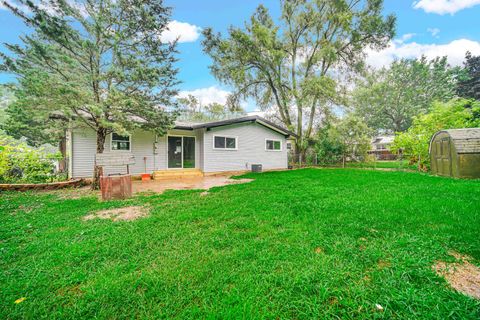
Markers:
444,161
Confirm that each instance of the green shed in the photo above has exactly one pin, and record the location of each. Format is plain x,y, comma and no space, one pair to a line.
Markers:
456,153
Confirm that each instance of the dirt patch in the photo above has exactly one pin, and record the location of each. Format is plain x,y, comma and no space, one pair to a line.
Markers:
75,193
119,214
462,275
237,181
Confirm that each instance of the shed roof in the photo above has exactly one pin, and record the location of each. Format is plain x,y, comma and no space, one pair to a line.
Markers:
465,140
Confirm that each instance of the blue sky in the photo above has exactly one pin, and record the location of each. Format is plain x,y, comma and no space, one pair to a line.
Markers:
430,27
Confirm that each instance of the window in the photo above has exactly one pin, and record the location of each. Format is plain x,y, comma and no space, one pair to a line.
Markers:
273,145
382,147
120,142
228,143
289,146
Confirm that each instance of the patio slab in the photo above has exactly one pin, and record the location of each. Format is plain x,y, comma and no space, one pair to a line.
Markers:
185,183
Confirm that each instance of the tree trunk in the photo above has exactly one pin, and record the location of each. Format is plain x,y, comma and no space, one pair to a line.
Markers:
62,147
97,170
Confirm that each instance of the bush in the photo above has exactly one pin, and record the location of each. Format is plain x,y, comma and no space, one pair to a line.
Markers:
457,113
20,163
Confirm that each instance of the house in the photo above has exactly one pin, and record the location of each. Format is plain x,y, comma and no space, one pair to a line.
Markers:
380,147
189,148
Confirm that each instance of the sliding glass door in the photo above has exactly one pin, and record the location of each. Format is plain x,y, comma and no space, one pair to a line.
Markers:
181,152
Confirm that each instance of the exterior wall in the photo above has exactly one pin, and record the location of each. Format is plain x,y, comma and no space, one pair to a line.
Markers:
250,149
83,149
469,165
152,151
162,148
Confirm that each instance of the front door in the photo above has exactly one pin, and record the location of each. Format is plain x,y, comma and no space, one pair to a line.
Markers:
181,152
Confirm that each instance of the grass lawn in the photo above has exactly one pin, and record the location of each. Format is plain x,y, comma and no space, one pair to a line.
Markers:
304,244
394,164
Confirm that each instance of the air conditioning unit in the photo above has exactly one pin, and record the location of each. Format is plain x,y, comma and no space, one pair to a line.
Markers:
256,168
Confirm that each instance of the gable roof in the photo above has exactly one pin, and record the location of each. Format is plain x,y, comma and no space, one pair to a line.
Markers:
383,139
251,119
465,140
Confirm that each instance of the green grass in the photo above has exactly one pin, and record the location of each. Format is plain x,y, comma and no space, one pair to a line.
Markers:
305,244
395,164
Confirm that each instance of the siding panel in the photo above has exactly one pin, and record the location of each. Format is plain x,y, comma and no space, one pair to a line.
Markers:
251,149
147,157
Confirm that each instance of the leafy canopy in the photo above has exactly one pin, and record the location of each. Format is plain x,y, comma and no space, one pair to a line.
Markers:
340,138
457,113
292,66
469,84
388,99
191,109
100,63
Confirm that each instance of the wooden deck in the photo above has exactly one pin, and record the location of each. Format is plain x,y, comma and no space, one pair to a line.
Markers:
176,174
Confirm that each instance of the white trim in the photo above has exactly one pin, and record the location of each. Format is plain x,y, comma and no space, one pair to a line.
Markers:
194,151
225,149
116,150
273,150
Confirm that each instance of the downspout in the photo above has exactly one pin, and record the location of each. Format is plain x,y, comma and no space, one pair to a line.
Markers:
70,153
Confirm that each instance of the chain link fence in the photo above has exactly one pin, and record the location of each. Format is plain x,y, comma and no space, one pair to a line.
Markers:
386,162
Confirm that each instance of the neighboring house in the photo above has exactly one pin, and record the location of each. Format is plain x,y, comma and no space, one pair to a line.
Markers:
381,147
199,148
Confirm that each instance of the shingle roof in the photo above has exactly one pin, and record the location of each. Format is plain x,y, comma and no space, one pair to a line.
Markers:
465,140
214,124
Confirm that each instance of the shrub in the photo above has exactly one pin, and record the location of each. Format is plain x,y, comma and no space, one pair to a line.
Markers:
457,113
20,163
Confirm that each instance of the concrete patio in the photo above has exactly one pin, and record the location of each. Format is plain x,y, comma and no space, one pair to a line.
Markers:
186,183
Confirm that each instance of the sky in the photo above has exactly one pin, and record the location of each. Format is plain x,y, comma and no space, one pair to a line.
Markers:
429,27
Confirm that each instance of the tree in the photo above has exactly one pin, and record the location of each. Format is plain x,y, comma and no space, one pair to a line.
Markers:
6,97
37,125
191,109
292,65
100,64
389,98
469,84
344,138
457,113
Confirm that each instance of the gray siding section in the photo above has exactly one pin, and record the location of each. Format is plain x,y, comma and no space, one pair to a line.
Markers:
84,149
83,153
150,155
250,150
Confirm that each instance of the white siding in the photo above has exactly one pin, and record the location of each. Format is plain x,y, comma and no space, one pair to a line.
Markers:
83,153
250,149
84,149
142,147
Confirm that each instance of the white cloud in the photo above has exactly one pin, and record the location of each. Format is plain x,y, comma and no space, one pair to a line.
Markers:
444,6
455,52
184,31
405,37
207,95
434,32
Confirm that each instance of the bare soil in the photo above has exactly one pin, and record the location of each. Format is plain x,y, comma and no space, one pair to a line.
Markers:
462,275
119,214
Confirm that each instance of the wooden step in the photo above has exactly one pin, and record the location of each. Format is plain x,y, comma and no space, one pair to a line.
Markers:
176,174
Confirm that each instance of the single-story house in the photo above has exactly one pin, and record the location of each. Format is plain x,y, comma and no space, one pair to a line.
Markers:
198,148
380,147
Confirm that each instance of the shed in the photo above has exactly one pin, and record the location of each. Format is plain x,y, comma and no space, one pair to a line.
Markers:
456,153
